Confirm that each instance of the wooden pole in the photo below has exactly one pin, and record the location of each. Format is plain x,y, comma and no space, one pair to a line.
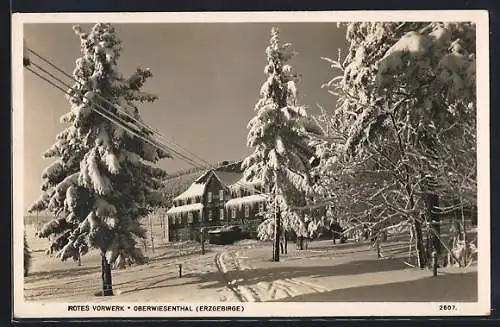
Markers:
434,263
160,217
202,240
167,230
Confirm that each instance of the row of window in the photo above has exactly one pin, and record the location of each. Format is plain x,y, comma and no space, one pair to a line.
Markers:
236,194
209,196
210,217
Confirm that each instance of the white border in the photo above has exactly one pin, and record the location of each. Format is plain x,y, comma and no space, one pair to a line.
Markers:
23,309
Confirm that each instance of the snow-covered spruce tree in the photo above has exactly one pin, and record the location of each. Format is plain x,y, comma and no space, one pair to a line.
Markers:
279,139
101,182
27,256
404,86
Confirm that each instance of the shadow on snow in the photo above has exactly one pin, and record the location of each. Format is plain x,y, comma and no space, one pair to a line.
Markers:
455,287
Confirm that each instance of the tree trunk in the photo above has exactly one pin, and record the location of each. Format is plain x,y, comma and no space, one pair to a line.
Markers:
431,202
277,228
284,242
107,283
419,245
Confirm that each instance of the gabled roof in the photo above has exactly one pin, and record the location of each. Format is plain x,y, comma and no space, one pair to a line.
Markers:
204,177
227,178
228,175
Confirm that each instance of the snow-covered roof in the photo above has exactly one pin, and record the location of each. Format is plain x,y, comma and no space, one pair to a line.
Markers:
196,189
244,184
185,208
251,199
227,178
203,178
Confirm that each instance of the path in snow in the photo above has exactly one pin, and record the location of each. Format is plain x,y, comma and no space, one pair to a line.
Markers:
243,272
345,272
236,272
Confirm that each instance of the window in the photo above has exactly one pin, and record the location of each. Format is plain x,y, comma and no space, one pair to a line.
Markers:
233,213
261,207
210,215
209,197
221,214
221,195
178,220
190,217
247,211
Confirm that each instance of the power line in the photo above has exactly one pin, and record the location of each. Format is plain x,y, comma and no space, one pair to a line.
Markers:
156,142
118,107
117,122
185,158
121,122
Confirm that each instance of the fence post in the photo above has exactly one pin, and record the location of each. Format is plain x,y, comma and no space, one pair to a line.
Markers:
434,263
377,243
180,270
202,240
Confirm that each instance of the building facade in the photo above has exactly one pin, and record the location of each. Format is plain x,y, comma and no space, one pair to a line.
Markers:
217,198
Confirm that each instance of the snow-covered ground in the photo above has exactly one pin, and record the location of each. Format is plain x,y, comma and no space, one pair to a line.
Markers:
344,273
244,272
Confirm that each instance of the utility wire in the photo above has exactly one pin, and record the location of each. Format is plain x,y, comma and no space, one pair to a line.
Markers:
121,120
117,122
183,157
121,110
122,123
118,107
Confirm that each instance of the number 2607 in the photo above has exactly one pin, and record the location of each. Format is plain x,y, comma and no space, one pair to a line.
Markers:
447,307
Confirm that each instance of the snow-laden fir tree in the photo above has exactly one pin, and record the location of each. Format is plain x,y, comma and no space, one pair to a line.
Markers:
407,97
281,150
102,181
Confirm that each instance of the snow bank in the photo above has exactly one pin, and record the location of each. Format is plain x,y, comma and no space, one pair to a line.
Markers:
185,208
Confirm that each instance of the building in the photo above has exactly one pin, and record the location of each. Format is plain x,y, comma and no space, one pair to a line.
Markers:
218,197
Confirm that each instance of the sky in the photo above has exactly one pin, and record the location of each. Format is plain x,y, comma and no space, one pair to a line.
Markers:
207,77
